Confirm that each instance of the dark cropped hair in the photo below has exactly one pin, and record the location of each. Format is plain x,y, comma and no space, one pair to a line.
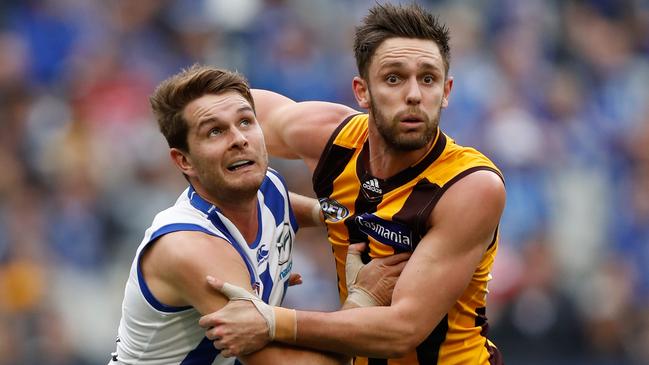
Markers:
173,94
389,21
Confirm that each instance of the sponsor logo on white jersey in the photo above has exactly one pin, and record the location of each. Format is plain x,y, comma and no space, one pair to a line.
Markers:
284,245
262,254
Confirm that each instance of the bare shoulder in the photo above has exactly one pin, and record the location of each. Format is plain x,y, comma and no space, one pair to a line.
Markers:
480,188
469,211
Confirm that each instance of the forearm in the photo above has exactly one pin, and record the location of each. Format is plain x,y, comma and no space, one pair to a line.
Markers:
374,332
277,353
306,210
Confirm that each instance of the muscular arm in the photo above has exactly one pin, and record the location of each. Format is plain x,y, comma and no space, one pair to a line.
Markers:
297,130
175,268
463,225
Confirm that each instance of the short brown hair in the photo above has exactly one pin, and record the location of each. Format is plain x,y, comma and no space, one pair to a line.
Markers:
389,21
172,95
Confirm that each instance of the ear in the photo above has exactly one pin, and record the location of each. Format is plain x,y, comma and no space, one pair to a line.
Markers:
361,92
182,161
448,85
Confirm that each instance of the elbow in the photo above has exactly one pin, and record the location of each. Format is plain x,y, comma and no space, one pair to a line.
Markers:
404,346
406,341
398,351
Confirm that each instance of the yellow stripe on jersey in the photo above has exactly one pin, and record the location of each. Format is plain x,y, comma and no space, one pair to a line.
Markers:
392,215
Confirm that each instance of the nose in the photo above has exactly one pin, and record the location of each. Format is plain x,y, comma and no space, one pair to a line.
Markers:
238,138
413,93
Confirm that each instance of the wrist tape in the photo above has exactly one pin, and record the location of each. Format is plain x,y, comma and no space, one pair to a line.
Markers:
282,322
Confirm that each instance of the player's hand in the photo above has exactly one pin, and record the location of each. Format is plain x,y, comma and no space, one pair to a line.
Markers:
241,327
294,279
372,284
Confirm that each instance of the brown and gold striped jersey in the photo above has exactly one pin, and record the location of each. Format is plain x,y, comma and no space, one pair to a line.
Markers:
392,215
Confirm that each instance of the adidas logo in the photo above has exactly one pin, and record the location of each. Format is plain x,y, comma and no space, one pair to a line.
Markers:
373,185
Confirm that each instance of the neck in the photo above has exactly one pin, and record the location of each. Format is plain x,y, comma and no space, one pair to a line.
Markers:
240,209
386,161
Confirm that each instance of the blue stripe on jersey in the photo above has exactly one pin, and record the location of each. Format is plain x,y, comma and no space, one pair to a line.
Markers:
291,215
273,200
144,288
198,202
203,354
260,227
284,292
208,208
218,223
212,214
268,285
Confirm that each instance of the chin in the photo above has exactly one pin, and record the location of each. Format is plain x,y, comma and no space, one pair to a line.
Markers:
249,183
410,143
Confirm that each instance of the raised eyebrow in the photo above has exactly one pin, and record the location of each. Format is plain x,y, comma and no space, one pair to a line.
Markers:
206,121
391,64
245,108
430,67
210,120
426,66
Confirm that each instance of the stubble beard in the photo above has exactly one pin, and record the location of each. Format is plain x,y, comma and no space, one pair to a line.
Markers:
400,141
224,189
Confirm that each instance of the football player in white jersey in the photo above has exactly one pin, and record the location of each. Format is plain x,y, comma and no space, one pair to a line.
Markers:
234,222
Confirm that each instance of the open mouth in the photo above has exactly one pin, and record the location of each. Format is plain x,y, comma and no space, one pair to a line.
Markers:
239,165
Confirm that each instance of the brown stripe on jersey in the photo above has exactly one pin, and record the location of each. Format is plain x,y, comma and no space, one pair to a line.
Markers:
323,180
428,351
481,321
457,178
417,208
332,162
361,206
412,172
495,357
495,238
371,361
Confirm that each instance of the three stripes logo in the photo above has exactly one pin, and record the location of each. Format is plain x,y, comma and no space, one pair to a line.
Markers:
372,189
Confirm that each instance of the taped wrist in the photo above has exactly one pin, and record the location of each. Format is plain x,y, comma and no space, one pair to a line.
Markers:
285,329
356,295
359,297
282,322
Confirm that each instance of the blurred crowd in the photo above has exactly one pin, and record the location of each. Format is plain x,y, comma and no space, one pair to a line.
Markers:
555,92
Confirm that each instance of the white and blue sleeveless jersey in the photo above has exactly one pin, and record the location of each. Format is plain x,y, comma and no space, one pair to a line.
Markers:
151,332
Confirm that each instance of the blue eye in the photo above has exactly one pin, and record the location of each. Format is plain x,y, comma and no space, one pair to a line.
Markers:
428,79
214,132
245,122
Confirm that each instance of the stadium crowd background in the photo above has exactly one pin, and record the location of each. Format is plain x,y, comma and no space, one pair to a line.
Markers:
555,92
